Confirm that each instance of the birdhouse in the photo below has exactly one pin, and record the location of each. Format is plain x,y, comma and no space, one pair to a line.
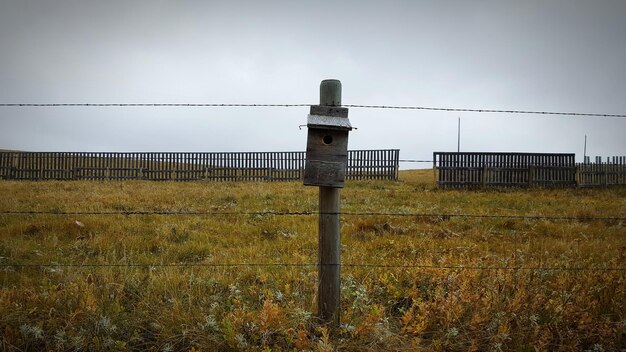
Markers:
327,146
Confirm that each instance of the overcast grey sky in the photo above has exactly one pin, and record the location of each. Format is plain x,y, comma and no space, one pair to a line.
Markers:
564,55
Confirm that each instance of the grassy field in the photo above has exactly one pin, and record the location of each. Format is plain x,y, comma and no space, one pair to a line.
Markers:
168,308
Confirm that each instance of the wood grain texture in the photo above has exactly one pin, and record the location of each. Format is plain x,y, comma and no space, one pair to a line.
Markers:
329,255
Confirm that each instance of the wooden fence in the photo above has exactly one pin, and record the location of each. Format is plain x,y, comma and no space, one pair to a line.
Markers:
176,166
467,170
602,174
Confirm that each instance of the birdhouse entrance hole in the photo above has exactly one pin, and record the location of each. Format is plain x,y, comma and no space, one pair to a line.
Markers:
328,139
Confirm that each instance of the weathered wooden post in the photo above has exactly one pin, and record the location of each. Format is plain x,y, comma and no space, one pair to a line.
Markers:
326,161
436,183
14,166
483,175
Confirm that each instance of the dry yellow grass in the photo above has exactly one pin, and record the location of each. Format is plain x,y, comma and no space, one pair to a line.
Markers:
263,308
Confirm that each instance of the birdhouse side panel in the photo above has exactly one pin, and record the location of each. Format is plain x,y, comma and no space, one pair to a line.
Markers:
325,174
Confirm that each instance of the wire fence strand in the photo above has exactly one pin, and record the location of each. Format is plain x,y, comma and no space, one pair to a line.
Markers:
502,111
309,213
150,105
301,265
414,161
363,106
190,213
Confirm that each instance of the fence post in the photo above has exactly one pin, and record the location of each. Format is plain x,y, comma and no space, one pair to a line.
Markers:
14,164
531,175
329,256
329,287
484,176
435,169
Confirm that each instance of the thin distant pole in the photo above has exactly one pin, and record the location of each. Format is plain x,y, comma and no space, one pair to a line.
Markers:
585,151
458,138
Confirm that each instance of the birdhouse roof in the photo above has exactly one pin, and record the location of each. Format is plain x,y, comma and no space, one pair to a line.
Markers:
329,122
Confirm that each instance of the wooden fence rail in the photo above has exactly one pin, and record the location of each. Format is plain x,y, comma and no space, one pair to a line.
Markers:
177,166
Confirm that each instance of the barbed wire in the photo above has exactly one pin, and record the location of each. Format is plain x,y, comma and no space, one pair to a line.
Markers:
156,265
484,216
503,111
300,265
308,213
192,213
150,105
395,107
414,161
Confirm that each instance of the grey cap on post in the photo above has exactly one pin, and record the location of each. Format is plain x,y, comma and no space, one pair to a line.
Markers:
330,92
329,114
